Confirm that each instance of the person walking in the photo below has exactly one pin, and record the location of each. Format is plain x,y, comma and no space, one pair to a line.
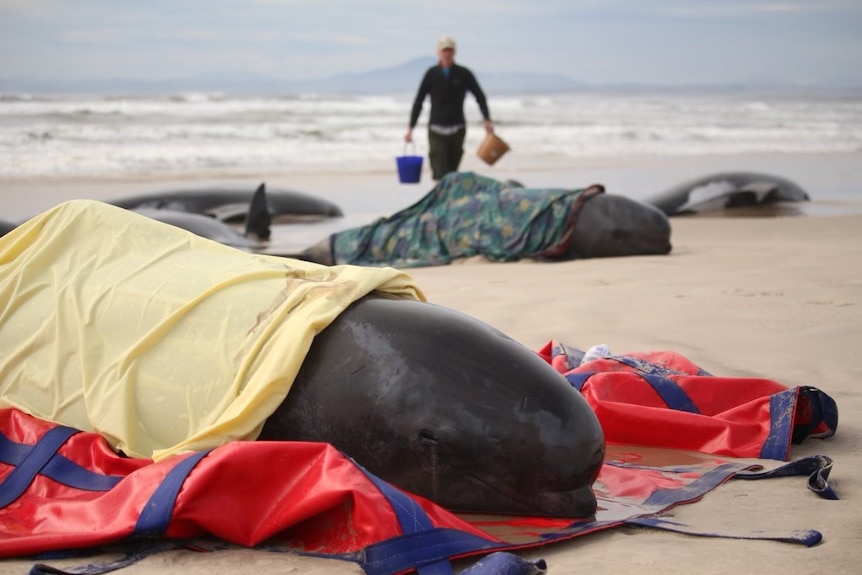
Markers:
447,84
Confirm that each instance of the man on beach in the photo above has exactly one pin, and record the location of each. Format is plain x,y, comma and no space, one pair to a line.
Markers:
447,83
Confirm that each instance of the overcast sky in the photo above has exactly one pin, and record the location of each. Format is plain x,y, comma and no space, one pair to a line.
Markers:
658,41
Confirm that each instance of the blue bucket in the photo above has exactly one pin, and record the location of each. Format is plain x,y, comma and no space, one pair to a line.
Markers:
409,167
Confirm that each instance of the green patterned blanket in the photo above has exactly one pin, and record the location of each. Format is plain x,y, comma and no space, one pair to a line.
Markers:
466,215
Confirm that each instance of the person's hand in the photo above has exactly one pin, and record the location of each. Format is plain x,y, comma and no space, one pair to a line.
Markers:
489,127
408,137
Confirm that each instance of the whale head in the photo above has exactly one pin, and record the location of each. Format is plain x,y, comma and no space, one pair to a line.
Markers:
609,225
446,407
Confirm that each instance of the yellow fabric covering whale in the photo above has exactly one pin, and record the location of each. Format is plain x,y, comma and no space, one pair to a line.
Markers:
158,339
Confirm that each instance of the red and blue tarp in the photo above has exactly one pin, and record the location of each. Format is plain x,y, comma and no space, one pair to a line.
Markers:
64,489
662,399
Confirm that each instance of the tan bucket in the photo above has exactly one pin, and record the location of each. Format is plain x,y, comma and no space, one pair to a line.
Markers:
492,149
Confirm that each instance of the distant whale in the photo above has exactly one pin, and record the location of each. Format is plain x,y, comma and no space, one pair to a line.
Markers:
610,225
6,227
233,205
446,407
257,223
468,215
727,190
203,226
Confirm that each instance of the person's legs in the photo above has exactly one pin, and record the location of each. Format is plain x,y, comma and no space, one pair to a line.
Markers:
445,152
437,154
456,149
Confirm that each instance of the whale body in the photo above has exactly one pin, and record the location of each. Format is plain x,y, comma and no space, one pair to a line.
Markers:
727,190
445,406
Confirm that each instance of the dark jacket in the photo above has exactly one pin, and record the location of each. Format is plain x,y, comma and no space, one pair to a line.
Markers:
447,96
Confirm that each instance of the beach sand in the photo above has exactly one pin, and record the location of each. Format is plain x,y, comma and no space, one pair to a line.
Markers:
779,298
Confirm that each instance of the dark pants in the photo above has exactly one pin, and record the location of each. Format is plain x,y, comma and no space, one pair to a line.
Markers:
445,152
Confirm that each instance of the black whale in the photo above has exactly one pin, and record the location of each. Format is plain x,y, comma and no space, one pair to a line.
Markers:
447,407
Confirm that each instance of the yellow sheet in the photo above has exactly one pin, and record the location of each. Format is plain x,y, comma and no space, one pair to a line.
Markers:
158,339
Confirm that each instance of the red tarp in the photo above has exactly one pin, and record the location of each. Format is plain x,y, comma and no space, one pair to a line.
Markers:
64,489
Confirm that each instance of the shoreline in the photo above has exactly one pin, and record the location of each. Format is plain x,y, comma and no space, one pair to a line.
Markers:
508,165
833,180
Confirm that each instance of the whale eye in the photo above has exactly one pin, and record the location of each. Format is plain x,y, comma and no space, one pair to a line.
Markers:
427,437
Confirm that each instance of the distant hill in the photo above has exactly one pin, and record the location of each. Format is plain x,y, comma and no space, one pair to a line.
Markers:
402,78
406,77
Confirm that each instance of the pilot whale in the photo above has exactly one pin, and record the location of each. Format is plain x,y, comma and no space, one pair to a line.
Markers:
230,205
257,218
611,225
198,224
447,407
167,342
727,190
607,225
6,227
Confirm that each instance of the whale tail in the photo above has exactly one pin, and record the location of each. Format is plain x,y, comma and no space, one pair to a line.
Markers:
258,219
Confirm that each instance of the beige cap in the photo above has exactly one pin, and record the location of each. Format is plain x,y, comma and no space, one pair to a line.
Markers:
446,42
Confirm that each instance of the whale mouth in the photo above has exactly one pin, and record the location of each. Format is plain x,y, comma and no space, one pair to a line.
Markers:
578,502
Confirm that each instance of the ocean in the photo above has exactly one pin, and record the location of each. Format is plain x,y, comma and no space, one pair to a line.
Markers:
113,136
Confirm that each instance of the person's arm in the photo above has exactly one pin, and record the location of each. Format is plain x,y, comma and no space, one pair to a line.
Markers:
424,90
476,90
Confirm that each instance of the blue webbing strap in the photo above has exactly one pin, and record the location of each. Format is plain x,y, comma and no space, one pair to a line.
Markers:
823,410
665,498
17,482
658,376
422,546
786,427
782,411
807,537
816,467
156,515
58,468
432,548
152,523
579,379
669,391
140,551
504,563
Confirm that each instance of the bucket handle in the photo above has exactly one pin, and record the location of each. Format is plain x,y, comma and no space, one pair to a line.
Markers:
412,144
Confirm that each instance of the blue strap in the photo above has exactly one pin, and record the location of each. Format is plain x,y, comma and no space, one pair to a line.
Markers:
156,515
17,482
579,379
807,537
422,546
782,409
816,467
504,563
412,519
669,391
135,554
823,410
422,550
659,377
665,498
58,468
410,514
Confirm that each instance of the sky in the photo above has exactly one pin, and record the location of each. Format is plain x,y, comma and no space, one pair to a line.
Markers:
810,42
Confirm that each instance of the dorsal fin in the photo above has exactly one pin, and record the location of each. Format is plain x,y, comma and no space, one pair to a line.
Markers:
258,220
